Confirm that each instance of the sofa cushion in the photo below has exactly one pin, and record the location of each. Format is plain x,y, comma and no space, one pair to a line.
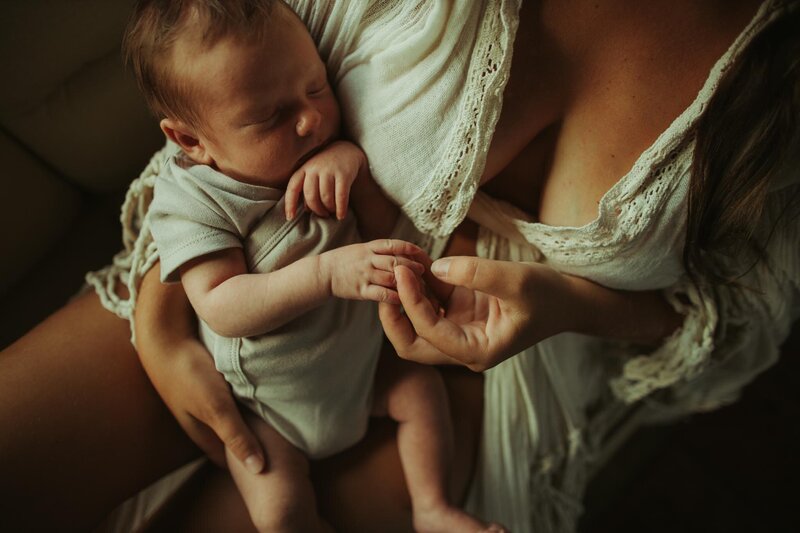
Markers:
38,209
66,95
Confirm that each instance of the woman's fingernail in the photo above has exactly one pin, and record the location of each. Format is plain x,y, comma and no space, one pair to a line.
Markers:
440,267
254,464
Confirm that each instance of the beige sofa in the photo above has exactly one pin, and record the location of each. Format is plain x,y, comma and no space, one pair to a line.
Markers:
73,133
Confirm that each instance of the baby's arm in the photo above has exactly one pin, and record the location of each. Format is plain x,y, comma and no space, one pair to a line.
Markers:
235,303
325,181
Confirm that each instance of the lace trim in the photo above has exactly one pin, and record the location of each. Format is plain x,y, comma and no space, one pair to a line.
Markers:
443,203
681,357
139,252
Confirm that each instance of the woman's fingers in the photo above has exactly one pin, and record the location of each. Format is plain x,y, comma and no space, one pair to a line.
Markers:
428,323
404,339
498,278
203,437
224,418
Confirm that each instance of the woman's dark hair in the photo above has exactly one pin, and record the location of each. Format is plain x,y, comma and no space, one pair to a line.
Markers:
746,138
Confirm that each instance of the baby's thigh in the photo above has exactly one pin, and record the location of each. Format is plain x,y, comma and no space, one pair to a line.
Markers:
281,497
404,389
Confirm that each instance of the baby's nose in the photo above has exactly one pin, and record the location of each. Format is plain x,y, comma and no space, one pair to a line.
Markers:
308,121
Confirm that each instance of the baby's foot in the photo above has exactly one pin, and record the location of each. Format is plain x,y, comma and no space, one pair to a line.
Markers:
447,519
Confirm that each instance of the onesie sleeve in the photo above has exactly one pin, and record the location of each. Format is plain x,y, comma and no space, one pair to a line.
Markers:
210,212
730,333
185,225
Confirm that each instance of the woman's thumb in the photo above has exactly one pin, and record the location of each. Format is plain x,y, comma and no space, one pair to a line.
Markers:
241,442
485,275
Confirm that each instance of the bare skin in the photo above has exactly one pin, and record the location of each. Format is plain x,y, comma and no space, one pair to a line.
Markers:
50,382
78,406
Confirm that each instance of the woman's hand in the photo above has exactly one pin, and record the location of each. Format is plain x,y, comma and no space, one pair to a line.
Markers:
183,373
494,310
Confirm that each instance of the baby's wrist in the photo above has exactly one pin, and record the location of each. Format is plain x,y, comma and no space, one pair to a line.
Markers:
324,269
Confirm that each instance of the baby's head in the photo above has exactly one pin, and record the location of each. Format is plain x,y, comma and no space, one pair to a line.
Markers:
238,84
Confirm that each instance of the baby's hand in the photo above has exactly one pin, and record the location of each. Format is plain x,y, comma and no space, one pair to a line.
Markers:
325,180
365,271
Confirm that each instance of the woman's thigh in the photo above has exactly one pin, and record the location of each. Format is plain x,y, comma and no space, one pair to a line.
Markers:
361,489
81,428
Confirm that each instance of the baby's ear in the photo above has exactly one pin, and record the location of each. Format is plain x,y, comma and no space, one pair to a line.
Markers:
187,138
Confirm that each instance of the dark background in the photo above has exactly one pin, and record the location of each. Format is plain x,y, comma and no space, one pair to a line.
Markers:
732,470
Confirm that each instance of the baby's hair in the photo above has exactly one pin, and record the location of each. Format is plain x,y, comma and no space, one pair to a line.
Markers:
153,29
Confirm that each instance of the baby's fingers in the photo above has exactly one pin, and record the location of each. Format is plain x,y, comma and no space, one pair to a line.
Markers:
396,247
387,263
383,279
342,193
293,191
312,195
380,294
327,194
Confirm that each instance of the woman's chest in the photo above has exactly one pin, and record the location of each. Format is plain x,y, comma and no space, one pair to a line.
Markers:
622,82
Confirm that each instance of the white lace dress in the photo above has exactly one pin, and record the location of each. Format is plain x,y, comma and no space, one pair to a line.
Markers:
421,86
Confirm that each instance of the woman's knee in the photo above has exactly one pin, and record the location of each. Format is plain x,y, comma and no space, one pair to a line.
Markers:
75,404
290,509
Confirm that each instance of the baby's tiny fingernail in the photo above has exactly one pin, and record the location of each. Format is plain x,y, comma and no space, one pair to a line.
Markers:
440,267
254,464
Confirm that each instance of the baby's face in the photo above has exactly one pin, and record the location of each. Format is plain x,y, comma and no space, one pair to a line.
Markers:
266,107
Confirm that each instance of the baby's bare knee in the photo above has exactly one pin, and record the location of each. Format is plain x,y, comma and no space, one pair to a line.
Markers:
421,381
417,395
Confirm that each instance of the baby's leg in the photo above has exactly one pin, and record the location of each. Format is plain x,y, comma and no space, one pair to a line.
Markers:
414,396
280,498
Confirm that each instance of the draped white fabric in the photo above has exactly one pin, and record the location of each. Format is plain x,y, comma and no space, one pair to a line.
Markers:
420,84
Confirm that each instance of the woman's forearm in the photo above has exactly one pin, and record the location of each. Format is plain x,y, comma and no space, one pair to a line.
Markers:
637,316
162,317
183,373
